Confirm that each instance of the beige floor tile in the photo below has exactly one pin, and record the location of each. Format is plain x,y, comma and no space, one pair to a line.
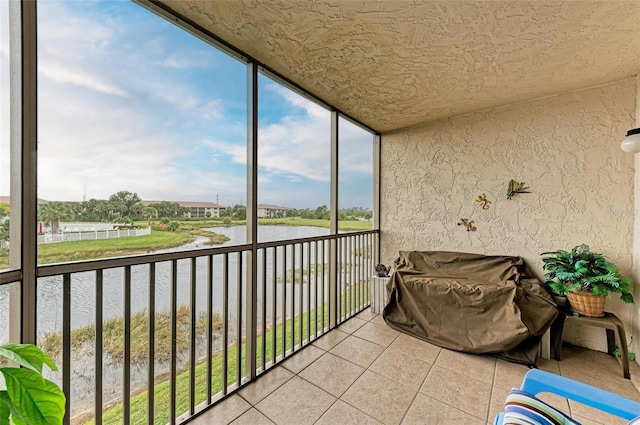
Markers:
498,397
556,401
402,368
381,335
352,325
509,375
634,370
549,365
384,392
224,412
379,397
474,366
332,373
577,362
358,351
450,387
367,314
599,416
252,417
296,402
608,381
428,411
416,347
330,340
586,421
265,384
303,358
343,414
378,320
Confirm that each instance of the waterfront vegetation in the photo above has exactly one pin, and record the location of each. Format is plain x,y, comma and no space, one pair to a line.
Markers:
113,335
346,225
112,413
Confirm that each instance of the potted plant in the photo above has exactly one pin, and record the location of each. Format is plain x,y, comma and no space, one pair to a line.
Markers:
29,398
586,277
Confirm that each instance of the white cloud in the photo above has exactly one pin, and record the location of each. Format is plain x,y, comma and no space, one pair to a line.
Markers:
152,124
192,58
299,144
311,108
296,145
60,73
176,62
237,152
356,148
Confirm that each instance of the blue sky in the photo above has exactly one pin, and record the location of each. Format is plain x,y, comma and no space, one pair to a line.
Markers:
128,101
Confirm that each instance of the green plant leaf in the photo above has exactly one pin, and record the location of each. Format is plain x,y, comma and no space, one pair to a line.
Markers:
38,400
14,415
626,297
27,355
5,407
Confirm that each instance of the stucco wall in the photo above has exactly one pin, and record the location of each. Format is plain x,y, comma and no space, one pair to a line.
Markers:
635,346
566,148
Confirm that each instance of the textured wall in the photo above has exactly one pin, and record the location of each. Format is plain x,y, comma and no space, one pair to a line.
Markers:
636,251
565,147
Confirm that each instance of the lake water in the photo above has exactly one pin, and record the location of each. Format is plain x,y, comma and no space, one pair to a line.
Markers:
83,299
83,284
238,234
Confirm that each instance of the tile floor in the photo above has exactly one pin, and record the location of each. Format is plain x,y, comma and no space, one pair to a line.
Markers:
363,372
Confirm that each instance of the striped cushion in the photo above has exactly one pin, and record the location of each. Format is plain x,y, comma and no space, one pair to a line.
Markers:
524,409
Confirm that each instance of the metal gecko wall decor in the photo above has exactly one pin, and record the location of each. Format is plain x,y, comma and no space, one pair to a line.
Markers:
483,201
468,224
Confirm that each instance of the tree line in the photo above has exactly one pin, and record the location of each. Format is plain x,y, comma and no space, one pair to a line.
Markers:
239,212
125,206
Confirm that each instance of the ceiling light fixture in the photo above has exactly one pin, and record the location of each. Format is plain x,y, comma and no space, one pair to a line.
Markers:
631,143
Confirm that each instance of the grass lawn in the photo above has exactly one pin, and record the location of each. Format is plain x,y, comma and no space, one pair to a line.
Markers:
103,248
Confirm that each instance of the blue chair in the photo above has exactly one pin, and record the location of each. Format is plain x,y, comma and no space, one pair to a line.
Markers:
538,381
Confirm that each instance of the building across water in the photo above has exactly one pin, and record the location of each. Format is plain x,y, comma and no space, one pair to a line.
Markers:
196,209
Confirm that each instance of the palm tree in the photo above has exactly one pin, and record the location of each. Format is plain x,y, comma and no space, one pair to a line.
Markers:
149,213
54,212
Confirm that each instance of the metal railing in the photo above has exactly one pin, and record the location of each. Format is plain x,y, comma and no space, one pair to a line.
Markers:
158,338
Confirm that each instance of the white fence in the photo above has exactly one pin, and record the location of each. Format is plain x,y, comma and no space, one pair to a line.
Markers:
91,235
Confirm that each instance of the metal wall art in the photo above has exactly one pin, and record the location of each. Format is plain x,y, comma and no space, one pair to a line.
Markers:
483,201
468,224
516,187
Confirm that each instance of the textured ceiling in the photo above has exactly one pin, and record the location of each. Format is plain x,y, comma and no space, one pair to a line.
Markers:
392,64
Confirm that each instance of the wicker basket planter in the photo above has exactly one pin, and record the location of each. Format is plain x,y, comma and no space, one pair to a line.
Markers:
586,304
